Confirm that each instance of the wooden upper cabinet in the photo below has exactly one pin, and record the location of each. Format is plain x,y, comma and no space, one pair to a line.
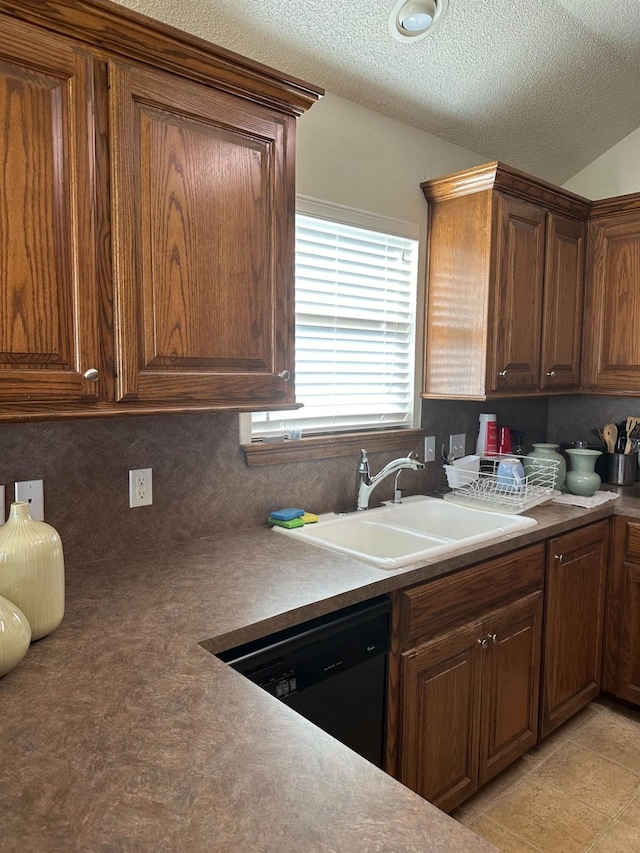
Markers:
514,328
203,204
563,301
504,285
612,300
147,206
48,288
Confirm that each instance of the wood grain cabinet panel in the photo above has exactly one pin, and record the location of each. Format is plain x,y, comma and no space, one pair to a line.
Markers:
504,285
621,669
612,300
514,328
147,207
48,288
202,202
574,608
565,250
511,679
440,697
468,695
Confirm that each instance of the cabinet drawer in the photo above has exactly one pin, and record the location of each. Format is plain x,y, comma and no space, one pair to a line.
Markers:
633,541
432,608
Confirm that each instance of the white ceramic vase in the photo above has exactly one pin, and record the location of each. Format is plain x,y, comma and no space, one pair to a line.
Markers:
32,569
15,635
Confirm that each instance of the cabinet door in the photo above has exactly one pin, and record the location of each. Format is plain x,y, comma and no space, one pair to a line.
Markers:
574,599
516,317
203,243
612,305
629,648
562,308
510,688
439,720
48,282
621,674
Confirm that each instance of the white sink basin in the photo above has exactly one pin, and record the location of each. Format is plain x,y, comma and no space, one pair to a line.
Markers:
396,535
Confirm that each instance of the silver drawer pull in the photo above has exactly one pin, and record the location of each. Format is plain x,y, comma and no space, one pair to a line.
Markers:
503,372
551,373
284,375
91,375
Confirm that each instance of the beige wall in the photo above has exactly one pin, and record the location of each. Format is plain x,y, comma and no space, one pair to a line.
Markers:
616,172
350,155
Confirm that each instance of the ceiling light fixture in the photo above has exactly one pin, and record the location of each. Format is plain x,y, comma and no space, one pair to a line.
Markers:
412,20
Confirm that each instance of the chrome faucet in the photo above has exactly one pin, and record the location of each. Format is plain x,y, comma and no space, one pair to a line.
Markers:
365,483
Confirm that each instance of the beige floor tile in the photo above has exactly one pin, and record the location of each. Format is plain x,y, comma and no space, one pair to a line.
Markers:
614,735
567,731
619,838
500,837
547,818
631,815
491,792
590,777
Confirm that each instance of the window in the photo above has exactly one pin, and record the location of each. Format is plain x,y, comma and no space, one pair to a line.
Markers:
355,324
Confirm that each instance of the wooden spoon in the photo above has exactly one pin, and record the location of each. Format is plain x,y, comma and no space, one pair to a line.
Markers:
610,436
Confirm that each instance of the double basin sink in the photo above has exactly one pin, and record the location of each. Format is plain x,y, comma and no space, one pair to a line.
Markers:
396,535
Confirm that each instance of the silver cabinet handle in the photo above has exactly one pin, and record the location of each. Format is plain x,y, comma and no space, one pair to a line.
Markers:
503,372
493,638
482,641
284,375
551,373
91,375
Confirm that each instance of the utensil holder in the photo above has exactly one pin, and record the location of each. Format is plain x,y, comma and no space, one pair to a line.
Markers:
621,468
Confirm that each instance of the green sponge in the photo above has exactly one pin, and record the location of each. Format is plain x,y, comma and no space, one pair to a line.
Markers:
292,522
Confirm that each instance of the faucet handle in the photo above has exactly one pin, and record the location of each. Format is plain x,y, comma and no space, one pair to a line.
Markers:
363,466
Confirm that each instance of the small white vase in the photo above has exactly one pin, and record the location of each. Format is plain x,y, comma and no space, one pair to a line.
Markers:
15,635
32,569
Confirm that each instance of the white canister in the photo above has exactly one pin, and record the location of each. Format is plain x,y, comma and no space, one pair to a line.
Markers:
487,444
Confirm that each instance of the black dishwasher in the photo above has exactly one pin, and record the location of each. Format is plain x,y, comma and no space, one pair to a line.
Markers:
332,670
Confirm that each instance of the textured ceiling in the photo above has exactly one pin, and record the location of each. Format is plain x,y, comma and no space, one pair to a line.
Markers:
543,85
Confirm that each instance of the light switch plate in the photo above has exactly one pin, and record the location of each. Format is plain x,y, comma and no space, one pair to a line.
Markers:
32,492
457,446
430,448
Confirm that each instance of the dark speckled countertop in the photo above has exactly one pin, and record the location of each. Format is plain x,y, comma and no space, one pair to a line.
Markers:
121,732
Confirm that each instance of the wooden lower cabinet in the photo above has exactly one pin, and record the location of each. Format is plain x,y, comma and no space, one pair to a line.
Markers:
440,695
621,670
574,615
468,694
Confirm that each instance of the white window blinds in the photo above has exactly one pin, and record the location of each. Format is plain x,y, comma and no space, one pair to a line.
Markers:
355,330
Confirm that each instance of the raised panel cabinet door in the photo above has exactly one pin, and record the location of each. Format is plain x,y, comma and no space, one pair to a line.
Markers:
48,283
612,305
516,312
562,304
439,719
203,207
510,684
629,635
574,605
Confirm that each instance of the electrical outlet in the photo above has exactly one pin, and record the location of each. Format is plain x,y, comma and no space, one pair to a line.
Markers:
140,487
457,446
32,492
430,448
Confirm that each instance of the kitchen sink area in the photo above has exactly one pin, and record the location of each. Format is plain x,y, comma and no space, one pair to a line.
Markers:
395,535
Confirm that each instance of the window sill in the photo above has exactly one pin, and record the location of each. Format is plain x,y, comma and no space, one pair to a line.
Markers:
329,446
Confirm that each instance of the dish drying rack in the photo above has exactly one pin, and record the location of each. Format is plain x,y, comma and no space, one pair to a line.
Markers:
481,489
